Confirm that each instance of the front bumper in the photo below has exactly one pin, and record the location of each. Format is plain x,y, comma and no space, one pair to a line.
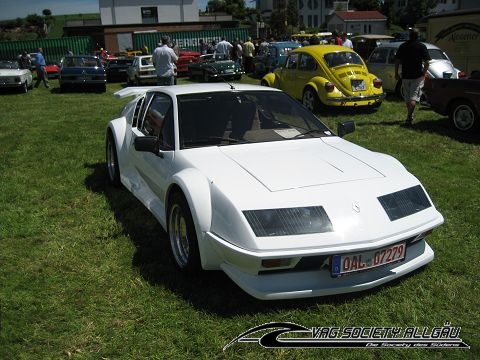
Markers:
244,268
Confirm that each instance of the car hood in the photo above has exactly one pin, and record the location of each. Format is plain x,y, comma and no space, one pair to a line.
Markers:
300,164
222,64
286,165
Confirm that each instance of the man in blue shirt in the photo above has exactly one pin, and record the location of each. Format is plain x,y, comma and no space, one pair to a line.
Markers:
41,72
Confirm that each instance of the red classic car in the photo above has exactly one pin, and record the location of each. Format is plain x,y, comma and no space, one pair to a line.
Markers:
457,98
186,57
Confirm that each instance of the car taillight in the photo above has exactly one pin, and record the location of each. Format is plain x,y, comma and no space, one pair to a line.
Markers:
377,83
427,76
462,75
329,86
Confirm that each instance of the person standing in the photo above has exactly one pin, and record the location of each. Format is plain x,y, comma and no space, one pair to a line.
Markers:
40,68
346,41
164,60
224,48
25,60
203,47
248,52
414,58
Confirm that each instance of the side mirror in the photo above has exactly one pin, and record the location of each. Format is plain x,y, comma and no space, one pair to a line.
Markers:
148,144
345,127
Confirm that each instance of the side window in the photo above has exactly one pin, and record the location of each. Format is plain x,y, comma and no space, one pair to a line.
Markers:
379,56
158,120
141,116
307,63
136,113
292,62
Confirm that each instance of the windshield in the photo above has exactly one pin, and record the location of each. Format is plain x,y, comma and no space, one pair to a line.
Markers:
342,58
9,65
226,118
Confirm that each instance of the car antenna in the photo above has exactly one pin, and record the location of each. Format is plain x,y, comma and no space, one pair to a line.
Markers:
232,87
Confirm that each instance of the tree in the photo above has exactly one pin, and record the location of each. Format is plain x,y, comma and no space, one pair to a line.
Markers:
236,8
364,5
292,13
415,10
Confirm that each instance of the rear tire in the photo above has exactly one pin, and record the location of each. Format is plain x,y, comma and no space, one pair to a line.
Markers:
111,157
310,99
463,115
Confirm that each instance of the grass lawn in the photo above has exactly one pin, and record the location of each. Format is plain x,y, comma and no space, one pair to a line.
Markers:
86,272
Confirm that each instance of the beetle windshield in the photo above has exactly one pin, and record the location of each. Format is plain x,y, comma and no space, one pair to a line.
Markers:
224,118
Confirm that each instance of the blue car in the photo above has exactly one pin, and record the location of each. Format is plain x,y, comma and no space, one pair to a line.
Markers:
274,57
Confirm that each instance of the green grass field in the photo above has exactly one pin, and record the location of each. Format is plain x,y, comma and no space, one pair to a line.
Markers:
86,272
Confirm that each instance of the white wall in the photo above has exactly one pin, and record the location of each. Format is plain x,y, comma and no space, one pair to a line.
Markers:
119,12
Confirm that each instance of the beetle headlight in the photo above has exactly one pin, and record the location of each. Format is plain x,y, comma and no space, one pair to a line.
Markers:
290,221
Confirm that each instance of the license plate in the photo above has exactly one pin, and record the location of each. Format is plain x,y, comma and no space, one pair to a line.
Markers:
228,71
358,85
355,262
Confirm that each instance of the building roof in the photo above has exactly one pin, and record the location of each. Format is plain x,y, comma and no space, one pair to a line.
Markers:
360,15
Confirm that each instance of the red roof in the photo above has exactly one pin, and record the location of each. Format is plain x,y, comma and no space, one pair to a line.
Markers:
360,15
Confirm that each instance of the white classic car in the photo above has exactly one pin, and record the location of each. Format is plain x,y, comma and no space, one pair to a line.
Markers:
11,76
245,179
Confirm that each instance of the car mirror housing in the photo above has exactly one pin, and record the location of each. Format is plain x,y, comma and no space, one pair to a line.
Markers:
148,144
345,127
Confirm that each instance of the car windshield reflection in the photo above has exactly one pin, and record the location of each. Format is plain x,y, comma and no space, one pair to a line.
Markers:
243,117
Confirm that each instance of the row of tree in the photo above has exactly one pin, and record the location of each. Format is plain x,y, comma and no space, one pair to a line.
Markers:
287,12
32,27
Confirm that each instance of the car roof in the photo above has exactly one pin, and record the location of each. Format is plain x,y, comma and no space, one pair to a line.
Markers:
320,50
396,44
192,88
372,36
285,43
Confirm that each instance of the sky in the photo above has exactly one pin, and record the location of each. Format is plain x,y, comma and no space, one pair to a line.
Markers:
12,9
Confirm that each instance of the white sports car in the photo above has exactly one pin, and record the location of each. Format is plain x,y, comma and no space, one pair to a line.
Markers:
245,179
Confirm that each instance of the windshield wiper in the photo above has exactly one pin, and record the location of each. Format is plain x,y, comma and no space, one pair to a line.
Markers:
309,132
214,140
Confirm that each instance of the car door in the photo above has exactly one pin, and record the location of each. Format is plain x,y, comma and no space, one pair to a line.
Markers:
288,73
154,171
306,69
382,63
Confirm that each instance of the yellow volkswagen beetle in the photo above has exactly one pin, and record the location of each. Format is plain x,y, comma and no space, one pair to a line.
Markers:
327,75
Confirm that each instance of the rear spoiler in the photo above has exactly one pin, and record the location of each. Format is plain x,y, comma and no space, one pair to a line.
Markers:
132,91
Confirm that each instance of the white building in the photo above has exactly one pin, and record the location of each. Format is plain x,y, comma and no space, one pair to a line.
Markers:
123,12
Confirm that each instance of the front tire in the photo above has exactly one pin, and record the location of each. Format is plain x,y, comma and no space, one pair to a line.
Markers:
113,170
310,99
463,115
182,235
